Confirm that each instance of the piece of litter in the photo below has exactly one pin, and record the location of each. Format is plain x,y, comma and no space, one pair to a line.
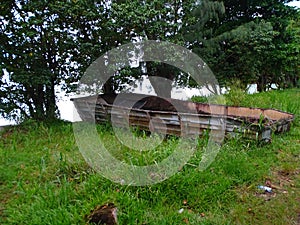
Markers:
265,188
122,181
180,211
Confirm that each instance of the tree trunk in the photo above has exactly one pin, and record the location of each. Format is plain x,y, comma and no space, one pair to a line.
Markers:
161,78
162,86
261,84
38,102
50,102
43,106
108,87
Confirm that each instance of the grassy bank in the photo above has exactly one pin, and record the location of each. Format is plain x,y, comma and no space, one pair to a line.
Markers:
45,180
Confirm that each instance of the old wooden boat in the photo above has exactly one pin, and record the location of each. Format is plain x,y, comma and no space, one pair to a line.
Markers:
182,118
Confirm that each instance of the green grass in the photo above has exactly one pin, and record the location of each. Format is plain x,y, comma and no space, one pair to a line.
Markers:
44,179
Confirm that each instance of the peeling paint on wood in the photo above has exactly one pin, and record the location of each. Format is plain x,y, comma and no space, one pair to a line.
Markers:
182,118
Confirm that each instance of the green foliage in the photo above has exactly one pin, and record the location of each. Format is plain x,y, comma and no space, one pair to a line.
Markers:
252,41
236,93
24,58
150,20
201,99
49,44
290,55
45,180
45,45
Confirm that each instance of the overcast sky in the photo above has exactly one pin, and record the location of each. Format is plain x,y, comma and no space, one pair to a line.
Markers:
295,3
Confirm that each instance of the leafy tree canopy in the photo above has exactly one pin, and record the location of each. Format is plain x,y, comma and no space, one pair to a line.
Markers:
249,42
49,44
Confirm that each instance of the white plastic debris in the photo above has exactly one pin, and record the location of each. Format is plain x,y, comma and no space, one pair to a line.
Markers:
265,188
180,211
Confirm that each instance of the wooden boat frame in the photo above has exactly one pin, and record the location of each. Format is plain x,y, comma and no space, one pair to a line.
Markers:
155,114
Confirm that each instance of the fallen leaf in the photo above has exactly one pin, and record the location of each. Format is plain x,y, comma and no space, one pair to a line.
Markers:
186,220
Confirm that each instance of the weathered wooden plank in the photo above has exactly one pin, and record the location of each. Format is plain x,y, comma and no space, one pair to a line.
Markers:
191,118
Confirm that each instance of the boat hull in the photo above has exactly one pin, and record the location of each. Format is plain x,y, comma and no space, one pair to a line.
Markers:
182,118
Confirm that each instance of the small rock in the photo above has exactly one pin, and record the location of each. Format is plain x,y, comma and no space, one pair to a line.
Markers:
105,214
